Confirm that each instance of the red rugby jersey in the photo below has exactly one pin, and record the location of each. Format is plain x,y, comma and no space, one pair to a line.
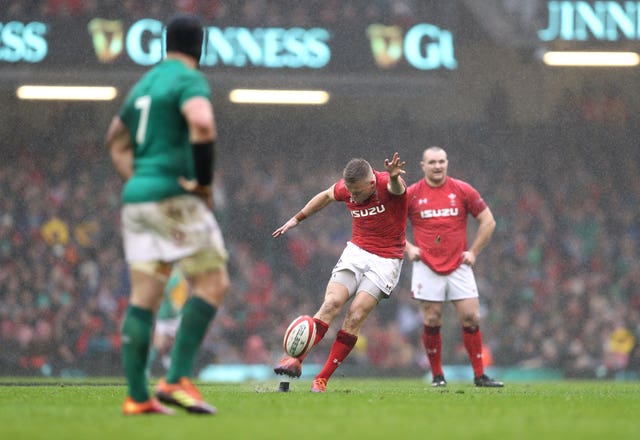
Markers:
439,220
379,223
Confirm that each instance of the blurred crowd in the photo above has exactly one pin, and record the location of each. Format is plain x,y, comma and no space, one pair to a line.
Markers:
559,282
258,13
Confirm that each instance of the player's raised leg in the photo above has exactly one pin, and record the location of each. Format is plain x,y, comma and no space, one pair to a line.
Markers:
336,296
363,303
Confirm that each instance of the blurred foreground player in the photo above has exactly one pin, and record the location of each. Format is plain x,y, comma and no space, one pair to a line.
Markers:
162,145
442,263
369,267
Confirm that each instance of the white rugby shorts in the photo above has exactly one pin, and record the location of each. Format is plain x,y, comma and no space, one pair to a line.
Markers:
428,285
383,272
171,230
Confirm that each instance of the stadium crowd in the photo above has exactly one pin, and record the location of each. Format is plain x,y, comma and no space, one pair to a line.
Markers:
243,12
559,280
527,15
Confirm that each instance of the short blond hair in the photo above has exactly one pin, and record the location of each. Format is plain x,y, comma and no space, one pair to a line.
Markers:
356,171
435,149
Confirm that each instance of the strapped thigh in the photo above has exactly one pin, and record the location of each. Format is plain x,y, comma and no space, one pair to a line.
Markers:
366,285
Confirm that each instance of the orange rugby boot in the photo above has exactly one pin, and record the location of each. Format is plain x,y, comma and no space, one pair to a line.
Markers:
183,394
151,406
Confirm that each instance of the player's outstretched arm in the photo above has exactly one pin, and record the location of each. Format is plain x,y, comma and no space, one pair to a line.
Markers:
317,203
395,168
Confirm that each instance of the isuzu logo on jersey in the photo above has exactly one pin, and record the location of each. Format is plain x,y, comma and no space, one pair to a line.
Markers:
368,212
445,212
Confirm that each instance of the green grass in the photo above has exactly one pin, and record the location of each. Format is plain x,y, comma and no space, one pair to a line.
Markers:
351,409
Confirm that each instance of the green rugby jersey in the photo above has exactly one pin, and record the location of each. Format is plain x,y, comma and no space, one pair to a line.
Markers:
159,131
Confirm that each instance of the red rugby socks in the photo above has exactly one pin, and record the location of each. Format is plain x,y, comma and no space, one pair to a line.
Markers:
432,341
341,348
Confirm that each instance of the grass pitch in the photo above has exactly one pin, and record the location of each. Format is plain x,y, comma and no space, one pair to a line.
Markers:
351,409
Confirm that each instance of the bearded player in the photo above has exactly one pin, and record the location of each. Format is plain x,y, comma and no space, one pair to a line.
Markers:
442,262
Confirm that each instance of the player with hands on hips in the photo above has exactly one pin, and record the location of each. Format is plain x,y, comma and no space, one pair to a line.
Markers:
442,263
162,144
369,267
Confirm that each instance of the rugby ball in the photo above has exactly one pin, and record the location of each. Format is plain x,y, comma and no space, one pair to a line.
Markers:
300,336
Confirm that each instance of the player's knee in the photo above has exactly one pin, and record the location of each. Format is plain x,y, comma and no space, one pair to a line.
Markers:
212,286
431,315
330,308
470,319
223,285
432,320
215,294
332,305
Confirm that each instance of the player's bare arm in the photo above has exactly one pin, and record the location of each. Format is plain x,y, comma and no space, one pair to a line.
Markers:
120,148
395,168
317,203
198,111
486,225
